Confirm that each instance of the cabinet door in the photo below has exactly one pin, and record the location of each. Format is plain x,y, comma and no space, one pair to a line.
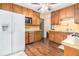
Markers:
69,51
60,36
51,36
62,14
31,37
52,18
26,37
36,18
0,5
70,11
55,18
30,13
17,9
77,13
38,35
25,12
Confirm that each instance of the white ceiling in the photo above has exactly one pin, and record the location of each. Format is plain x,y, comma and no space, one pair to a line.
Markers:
53,7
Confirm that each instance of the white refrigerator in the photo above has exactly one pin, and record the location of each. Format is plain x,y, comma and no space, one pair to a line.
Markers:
12,32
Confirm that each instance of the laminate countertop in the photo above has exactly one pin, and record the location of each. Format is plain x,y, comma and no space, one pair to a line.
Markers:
65,31
31,30
72,42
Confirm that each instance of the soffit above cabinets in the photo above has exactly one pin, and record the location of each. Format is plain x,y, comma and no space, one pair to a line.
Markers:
52,6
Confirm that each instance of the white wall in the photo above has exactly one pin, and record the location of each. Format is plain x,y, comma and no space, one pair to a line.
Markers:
47,22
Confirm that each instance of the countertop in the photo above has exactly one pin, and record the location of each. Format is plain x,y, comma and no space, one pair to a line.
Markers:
31,30
64,31
71,42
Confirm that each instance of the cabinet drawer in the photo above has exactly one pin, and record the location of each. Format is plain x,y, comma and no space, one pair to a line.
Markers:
31,37
26,37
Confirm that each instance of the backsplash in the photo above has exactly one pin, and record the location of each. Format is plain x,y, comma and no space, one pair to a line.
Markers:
32,27
70,28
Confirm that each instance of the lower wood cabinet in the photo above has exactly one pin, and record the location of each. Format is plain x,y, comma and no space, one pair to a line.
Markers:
38,35
69,51
26,37
51,35
31,37
57,37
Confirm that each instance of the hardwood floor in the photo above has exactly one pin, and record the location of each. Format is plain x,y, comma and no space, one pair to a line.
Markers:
43,48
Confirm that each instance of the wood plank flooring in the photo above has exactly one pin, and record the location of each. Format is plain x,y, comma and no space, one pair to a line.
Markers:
42,48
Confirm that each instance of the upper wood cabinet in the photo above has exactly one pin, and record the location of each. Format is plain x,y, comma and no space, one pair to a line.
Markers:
17,9
22,10
30,13
25,11
70,11
6,6
62,14
0,5
59,15
77,14
36,18
55,18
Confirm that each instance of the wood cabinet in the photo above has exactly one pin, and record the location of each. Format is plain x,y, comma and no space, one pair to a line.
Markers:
22,10
38,36
0,5
57,37
26,37
77,13
62,14
36,18
25,11
31,37
70,11
6,6
51,35
34,36
17,9
69,51
59,15
60,36
55,18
